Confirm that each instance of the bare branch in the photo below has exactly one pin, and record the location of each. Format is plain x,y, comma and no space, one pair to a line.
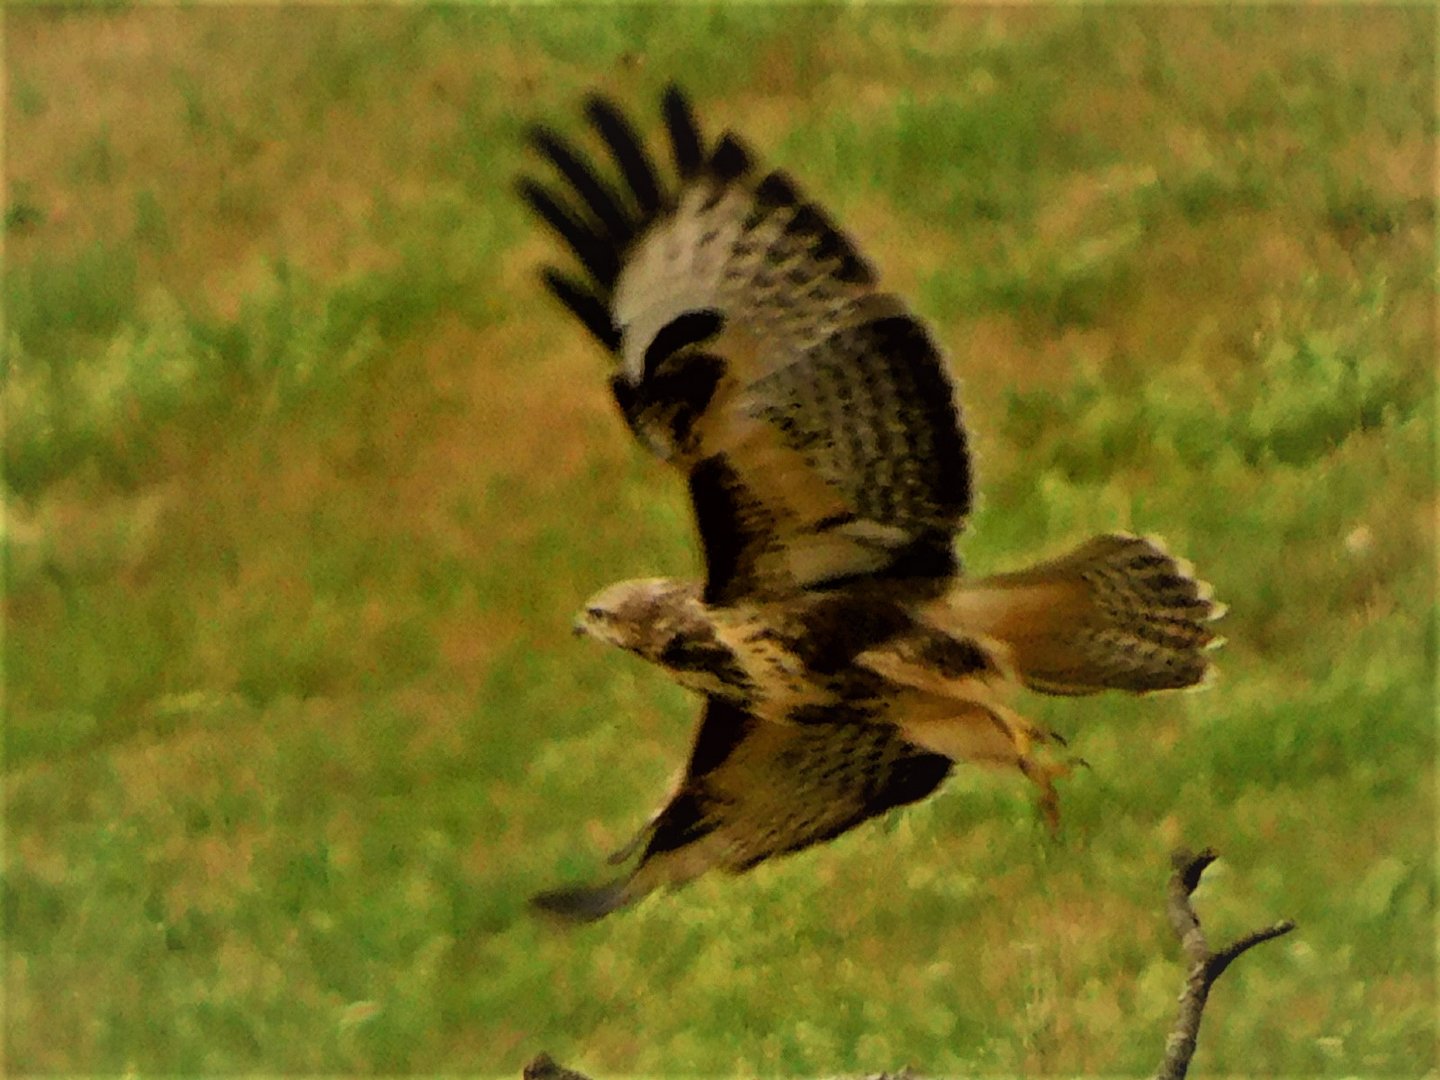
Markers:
1221,960
1205,966
1190,867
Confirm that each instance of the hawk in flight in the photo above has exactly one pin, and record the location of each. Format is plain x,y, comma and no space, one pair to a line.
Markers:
845,662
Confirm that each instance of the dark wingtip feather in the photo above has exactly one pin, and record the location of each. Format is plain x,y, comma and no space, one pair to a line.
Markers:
731,160
775,191
628,151
686,142
595,253
582,904
595,194
550,210
585,305
536,134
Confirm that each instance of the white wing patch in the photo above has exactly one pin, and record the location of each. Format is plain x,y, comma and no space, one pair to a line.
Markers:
678,266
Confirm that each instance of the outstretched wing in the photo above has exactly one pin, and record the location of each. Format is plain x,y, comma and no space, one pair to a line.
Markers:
812,414
753,790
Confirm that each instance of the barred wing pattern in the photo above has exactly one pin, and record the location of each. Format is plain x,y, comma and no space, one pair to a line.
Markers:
810,412
753,790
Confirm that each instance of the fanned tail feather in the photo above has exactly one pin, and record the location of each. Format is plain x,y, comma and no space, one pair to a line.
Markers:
1118,613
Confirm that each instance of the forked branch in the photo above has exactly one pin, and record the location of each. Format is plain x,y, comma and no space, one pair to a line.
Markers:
1205,966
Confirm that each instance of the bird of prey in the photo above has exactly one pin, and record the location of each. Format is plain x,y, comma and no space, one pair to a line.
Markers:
844,660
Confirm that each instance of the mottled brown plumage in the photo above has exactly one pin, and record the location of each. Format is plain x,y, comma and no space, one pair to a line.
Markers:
845,662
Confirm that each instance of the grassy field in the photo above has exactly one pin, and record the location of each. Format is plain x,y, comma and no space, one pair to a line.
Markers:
305,478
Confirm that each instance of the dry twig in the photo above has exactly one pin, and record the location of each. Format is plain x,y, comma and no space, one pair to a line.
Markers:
1205,966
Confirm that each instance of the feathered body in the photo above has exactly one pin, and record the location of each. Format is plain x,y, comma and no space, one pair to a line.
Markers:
845,661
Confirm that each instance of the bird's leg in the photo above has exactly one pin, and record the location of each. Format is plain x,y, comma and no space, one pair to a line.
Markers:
989,733
1043,776
1040,772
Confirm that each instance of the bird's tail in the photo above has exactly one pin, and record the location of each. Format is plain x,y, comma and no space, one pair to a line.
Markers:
1117,613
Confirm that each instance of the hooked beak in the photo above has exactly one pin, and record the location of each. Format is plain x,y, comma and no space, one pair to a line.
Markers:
585,622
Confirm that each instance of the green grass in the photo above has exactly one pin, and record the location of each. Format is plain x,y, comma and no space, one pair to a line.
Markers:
305,479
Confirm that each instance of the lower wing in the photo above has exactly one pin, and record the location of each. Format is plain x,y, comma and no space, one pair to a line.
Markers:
753,790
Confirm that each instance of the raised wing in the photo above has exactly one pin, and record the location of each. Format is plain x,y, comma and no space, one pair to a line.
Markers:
813,416
753,790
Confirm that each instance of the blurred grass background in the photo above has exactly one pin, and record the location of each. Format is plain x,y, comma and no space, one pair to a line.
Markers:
305,478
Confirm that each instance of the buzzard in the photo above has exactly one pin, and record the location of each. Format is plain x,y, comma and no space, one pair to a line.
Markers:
845,662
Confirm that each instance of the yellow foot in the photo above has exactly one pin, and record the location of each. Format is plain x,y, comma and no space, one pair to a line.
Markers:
1043,775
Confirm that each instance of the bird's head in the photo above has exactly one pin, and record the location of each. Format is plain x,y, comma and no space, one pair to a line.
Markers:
639,616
